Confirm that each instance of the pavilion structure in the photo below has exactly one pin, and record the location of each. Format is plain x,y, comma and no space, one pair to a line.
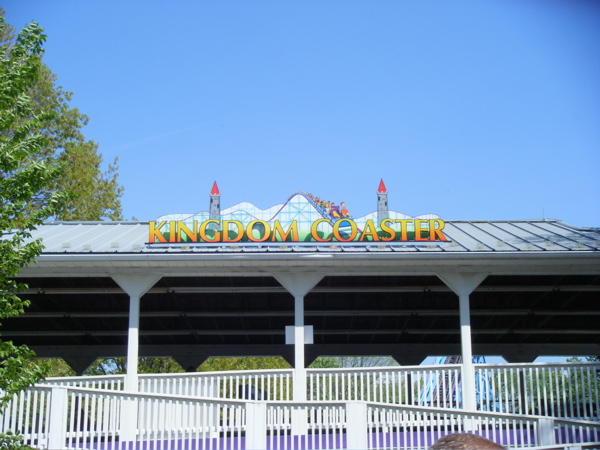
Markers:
304,279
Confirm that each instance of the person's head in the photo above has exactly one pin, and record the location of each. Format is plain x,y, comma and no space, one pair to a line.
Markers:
465,441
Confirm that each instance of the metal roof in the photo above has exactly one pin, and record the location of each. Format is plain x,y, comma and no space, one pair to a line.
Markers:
497,236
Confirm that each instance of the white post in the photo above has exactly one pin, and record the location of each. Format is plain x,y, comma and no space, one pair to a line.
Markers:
468,371
299,420
133,343
299,284
256,425
462,284
136,286
356,425
299,369
57,428
545,432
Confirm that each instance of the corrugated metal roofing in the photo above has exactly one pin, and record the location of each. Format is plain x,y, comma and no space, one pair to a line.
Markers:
463,236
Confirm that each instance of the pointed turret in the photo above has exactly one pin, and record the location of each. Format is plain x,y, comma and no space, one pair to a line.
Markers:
215,189
382,202
215,203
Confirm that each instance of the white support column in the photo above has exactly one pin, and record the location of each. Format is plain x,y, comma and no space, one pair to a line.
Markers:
299,284
135,286
300,370
462,284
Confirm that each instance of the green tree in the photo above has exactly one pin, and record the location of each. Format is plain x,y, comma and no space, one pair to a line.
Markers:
24,182
234,387
95,194
367,361
57,367
326,362
52,367
221,364
114,366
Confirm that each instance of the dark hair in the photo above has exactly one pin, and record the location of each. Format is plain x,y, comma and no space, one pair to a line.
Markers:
465,441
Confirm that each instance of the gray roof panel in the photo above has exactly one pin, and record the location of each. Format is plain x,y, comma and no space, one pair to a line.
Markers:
460,233
464,236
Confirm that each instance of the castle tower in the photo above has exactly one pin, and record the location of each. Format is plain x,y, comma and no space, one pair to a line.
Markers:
382,203
215,203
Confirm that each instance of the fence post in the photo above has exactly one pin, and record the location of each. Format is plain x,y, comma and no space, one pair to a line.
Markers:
57,422
356,425
128,424
256,425
545,434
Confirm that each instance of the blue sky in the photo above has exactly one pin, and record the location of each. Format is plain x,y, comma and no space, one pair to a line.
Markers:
467,109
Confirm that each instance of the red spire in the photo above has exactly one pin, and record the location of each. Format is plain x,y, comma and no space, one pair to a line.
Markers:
382,187
215,189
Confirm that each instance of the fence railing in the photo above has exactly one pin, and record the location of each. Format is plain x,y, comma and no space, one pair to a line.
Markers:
78,418
408,427
28,413
554,389
110,382
251,385
248,385
558,390
437,386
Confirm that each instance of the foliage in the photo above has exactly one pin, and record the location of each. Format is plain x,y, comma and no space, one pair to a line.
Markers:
216,364
56,367
24,180
51,367
326,362
12,441
114,366
337,362
367,361
95,195
47,169
556,390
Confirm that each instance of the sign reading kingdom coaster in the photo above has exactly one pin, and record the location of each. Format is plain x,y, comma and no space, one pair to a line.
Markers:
303,218
321,230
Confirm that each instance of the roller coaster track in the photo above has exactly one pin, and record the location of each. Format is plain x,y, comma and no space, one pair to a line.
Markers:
319,209
445,390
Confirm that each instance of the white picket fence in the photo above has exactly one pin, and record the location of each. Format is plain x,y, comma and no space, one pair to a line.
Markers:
555,389
276,384
78,418
520,405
